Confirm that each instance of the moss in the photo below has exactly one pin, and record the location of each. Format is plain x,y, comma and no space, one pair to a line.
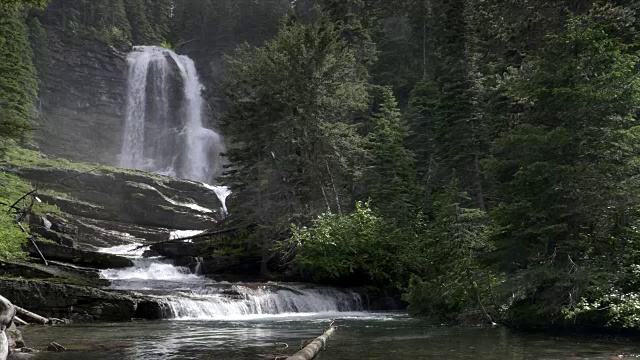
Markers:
25,158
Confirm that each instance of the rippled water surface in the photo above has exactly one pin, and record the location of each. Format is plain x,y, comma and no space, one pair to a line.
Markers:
360,336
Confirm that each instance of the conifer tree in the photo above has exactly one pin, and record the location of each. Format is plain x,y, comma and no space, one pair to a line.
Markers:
565,168
390,175
18,77
294,146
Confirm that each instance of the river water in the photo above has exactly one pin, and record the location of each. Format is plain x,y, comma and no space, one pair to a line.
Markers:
234,321
360,335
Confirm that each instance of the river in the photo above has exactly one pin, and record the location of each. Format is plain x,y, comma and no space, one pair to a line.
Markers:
234,321
360,335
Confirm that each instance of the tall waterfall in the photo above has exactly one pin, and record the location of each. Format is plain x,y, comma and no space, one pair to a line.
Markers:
163,130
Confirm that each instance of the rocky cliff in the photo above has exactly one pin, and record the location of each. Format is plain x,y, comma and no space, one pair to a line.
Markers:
82,99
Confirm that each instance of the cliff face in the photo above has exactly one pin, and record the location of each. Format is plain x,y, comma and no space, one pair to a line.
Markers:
82,99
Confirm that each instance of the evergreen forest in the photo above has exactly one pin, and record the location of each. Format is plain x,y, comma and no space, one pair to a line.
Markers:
469,159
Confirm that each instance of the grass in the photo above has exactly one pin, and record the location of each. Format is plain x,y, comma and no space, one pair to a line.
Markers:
12,239
25,158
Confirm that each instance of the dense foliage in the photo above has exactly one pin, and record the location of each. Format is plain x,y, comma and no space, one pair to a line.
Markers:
471,156
18,77
503,185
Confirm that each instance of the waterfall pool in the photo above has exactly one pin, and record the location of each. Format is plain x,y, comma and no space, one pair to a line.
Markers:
360,336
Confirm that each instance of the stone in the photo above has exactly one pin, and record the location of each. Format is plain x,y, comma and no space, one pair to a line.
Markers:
80,257
54,346
80,303
82,117
159,201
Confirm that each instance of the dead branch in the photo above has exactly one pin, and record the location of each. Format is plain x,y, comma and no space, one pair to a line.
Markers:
201,235
19,321
34,244
30,315
13,206
313,348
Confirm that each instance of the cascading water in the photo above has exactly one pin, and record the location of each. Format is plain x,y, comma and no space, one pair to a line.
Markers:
189,296
164,134
163,129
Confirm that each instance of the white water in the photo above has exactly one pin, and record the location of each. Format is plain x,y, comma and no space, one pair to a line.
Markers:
177,234
150,269
193,297
264,300
163,130
223,193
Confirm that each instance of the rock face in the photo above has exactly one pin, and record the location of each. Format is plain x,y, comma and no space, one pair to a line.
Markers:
80,257
79,303
129,197
82,99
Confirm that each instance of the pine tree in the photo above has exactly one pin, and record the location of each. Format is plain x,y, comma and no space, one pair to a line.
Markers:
390,175
18,77
288,119
565,168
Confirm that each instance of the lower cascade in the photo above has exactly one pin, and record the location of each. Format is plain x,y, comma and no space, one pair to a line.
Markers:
184,295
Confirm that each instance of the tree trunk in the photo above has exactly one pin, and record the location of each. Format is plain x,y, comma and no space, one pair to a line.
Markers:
476,296
312,349
478,171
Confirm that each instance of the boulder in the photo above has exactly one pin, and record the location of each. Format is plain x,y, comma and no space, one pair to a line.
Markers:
243,267
62,271
51,299
127,196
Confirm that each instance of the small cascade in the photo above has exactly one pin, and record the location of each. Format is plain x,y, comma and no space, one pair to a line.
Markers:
248,301
190,296
163,129
223,193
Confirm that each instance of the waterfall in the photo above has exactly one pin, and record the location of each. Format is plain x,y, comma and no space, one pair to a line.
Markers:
163,129
190,296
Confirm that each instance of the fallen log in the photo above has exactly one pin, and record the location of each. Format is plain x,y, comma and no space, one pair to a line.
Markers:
203,234
30,315
313,348
19,321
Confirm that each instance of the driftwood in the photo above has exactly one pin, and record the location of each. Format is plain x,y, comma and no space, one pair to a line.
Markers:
19,321
313,348
30,315
34,244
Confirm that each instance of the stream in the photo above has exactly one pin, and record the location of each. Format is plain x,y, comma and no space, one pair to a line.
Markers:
220,320
360,336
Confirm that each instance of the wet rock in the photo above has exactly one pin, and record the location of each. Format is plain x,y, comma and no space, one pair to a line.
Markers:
153,310
159,201
178,250
80,257
7,312
15,338
82,116
54,346
81,303
150,253
239,265
43,227
63,271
